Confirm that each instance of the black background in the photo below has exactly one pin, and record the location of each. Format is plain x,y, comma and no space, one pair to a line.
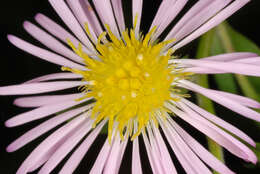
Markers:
18,66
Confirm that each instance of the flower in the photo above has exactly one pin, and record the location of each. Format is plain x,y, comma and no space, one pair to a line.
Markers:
132,83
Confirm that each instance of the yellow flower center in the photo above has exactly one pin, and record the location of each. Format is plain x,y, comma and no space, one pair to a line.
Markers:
131,80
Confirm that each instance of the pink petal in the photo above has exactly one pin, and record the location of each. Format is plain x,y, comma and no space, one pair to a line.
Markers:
66,147
121,154
165,156
79,13
204,154
50,42
55,76
43,128
187,166
250,155
164,6
44,151
40,112
232,129
42,53
90,13
105,12
251,60
111,163
204,15
118,10
231,56
221,16
137,6
155,152
136,162
66,15
203,70
101,159
191,157
154,163
37,101
221,137
37,88
170,15
78,155
232,67
199,6
57,30
240,99
228,103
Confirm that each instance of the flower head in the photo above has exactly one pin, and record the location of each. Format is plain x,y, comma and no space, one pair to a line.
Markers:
132,82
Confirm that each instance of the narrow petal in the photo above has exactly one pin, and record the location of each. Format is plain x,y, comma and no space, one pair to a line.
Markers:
154,163
55,76
136,162
196,21
240,99
91,15
101,159
226,102
195,9
104,154
191,157
250,155
79,13
187,166
43,54
170,15
105,12
40,112
66,15
37,88
155,152
253,60
44,151
216,120
50,42
160,14
66,147
231,67
221,137
203,70
111,166
37,101
43,128
137,7
231,56
57,30
165,156
118,10
221,16
204,154
121,154
78,155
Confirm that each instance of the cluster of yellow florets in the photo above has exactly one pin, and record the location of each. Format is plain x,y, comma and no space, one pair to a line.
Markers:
130,81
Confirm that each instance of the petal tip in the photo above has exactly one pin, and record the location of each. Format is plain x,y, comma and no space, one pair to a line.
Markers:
9,123
38,16
10,37
10,148
26,24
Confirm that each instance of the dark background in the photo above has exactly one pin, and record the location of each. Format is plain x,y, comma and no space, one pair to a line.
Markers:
18,66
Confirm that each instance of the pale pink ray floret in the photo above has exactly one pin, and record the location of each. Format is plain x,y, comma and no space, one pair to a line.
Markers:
72,112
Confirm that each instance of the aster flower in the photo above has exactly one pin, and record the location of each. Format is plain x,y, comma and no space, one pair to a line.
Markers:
131,82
